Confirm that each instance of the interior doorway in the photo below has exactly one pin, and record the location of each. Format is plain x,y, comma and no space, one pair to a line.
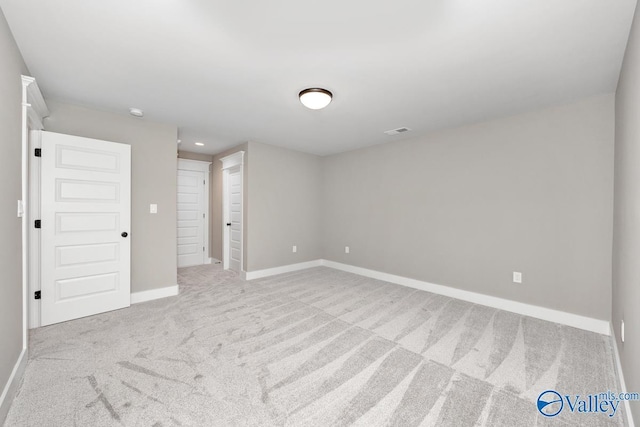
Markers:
193,212
232,207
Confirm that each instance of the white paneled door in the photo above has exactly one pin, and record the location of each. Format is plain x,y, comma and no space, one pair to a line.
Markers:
232,199
234,222
86,217
191,218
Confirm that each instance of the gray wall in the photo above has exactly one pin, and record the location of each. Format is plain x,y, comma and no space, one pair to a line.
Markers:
284,209
204,158
626,241
11,68
153,180
468,206
216,202
195,156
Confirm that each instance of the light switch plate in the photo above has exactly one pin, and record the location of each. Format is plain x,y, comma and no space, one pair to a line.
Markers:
153,208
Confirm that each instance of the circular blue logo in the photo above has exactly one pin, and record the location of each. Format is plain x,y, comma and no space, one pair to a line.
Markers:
550,403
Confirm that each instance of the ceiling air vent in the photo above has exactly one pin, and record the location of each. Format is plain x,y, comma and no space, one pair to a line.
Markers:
396,131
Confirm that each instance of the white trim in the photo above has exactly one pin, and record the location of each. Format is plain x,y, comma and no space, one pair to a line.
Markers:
235,159
556,316
152,294
259,274
10,389
564,318
208,261
193,165
34,110
623,385
33,100
200,166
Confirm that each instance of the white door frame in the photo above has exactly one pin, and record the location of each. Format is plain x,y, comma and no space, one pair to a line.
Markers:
201,166
34,110
34,236
228,162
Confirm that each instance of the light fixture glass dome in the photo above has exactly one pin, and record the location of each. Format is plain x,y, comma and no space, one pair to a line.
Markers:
315,98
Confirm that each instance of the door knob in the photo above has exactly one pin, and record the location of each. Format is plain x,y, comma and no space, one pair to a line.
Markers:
228,224
124,234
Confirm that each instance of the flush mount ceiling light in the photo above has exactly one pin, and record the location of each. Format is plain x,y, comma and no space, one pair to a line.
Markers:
315,98
136,112
397,131
199,144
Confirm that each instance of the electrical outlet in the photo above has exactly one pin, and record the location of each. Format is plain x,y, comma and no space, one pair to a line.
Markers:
153,208
20,209
517,277
622,330
294,249
346,249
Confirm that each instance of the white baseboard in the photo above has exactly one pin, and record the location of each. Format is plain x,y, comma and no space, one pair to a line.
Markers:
556,316
11,387
259,274
208,261
623,385
150,295
564,318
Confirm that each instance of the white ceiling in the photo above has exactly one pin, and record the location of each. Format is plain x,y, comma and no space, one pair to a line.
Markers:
230,71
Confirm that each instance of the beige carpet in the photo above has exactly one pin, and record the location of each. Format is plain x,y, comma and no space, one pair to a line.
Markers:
318,347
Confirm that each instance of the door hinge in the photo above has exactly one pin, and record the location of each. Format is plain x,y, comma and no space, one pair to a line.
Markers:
37,295
203,182
38,223
38,152
203,249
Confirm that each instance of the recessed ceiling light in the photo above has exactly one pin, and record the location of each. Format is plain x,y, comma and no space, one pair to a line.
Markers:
136,112
200,144
179,141
315,98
